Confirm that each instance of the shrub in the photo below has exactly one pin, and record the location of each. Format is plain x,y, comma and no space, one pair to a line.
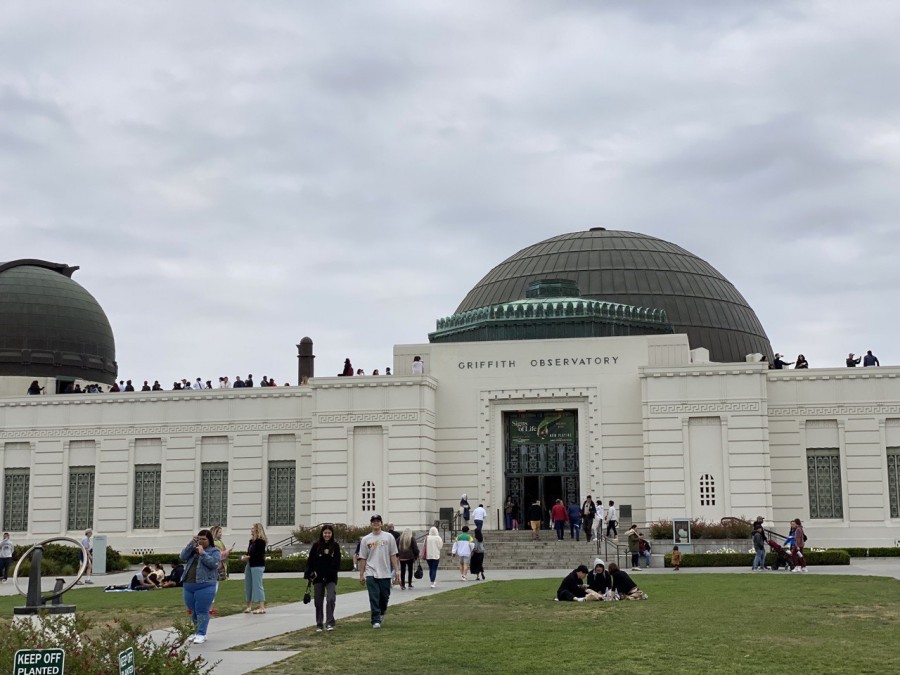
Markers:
99,653
293,563
702,529
342,532
730,559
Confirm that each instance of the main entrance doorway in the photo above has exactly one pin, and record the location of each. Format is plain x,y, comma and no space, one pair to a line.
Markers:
541,459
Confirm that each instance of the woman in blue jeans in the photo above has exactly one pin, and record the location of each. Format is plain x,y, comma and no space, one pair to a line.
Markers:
253,572
431,553
201,558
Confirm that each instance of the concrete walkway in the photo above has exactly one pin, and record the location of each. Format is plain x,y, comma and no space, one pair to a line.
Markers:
228,632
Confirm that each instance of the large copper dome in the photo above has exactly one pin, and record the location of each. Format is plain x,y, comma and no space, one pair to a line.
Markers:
638,270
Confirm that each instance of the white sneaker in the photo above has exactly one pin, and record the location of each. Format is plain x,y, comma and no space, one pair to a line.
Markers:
796,569
376,625
432,585
190,639
579,599
199,639
803,569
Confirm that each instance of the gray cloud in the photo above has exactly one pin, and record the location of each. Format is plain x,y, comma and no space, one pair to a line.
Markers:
232,177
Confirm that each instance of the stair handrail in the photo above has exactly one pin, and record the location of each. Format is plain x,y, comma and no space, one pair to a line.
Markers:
769,533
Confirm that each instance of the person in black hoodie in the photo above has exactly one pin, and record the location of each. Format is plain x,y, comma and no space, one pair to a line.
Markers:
322,568
572,587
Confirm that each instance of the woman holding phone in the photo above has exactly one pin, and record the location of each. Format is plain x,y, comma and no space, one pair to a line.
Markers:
201,558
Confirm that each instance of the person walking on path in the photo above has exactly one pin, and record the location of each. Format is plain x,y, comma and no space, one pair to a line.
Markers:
6,554
253,571
634,547
797,546
588,511
431,553
535,515
89,547
201,575
478,516
574,513
408,553
611,522
559,516
477,567
463,548
377,555
759,547
322,569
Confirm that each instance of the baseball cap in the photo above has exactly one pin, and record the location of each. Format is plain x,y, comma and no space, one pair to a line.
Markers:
374,518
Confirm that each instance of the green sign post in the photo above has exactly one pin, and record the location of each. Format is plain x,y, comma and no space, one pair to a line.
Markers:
39,662
126,662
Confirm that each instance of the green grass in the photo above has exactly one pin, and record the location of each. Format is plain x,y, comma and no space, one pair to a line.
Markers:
702,623
159,609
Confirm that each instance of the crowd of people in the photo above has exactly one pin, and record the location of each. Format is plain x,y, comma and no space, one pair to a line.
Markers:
590,518
800,362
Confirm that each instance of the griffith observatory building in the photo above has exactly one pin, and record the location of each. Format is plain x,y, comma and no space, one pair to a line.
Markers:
600,362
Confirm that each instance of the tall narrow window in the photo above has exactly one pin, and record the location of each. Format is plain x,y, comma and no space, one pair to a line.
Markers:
81,497
707,490
15,500
893,466
282,488
824,472
214,494
368,496
147,488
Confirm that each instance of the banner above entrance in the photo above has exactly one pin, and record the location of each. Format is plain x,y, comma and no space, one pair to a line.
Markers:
542,427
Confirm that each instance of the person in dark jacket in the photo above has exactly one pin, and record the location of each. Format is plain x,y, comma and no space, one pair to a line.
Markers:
870,360
574,513
588,513
322,569
407,554
851,362
801,362
623,584
254,570
779,363
572,587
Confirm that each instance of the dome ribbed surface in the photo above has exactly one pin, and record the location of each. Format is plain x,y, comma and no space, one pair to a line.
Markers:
50,326
635,269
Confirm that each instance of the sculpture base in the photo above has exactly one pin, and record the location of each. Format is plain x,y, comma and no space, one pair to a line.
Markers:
37,615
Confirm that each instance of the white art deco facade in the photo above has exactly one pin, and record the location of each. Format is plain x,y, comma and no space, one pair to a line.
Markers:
652,430
599,362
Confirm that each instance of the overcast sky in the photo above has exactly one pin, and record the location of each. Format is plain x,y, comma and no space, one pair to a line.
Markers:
232,177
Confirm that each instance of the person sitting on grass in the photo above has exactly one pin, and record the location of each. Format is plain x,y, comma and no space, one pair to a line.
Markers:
624,586
142,581
174,577
573,589
599,580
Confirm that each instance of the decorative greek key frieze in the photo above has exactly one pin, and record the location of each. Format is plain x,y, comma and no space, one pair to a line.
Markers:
155,430
833,410
356,418
708,407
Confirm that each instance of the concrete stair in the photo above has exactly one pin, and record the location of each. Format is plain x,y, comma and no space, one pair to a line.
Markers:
505,550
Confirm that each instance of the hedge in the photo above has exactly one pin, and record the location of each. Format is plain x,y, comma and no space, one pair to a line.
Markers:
885,552
60,559
830,557
293,564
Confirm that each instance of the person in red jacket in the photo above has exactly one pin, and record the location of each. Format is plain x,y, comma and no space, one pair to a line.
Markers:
560,517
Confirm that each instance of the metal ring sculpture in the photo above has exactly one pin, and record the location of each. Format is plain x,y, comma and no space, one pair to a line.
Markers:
84,561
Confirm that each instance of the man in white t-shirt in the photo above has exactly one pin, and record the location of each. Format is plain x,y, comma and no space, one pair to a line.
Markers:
377,557
479,515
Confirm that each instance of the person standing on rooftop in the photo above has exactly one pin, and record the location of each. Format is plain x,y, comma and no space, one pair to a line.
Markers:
418,366
870,359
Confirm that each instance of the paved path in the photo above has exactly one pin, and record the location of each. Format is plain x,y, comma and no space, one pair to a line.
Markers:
232,631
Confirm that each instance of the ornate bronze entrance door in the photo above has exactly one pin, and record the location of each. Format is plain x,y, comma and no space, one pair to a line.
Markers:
541,459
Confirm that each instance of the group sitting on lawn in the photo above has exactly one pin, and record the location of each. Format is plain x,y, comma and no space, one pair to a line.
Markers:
611,584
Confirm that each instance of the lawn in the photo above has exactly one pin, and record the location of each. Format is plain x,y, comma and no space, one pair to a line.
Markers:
159,609
699,623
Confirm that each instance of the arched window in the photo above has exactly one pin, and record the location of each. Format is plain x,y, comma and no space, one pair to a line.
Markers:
707,490
368,496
